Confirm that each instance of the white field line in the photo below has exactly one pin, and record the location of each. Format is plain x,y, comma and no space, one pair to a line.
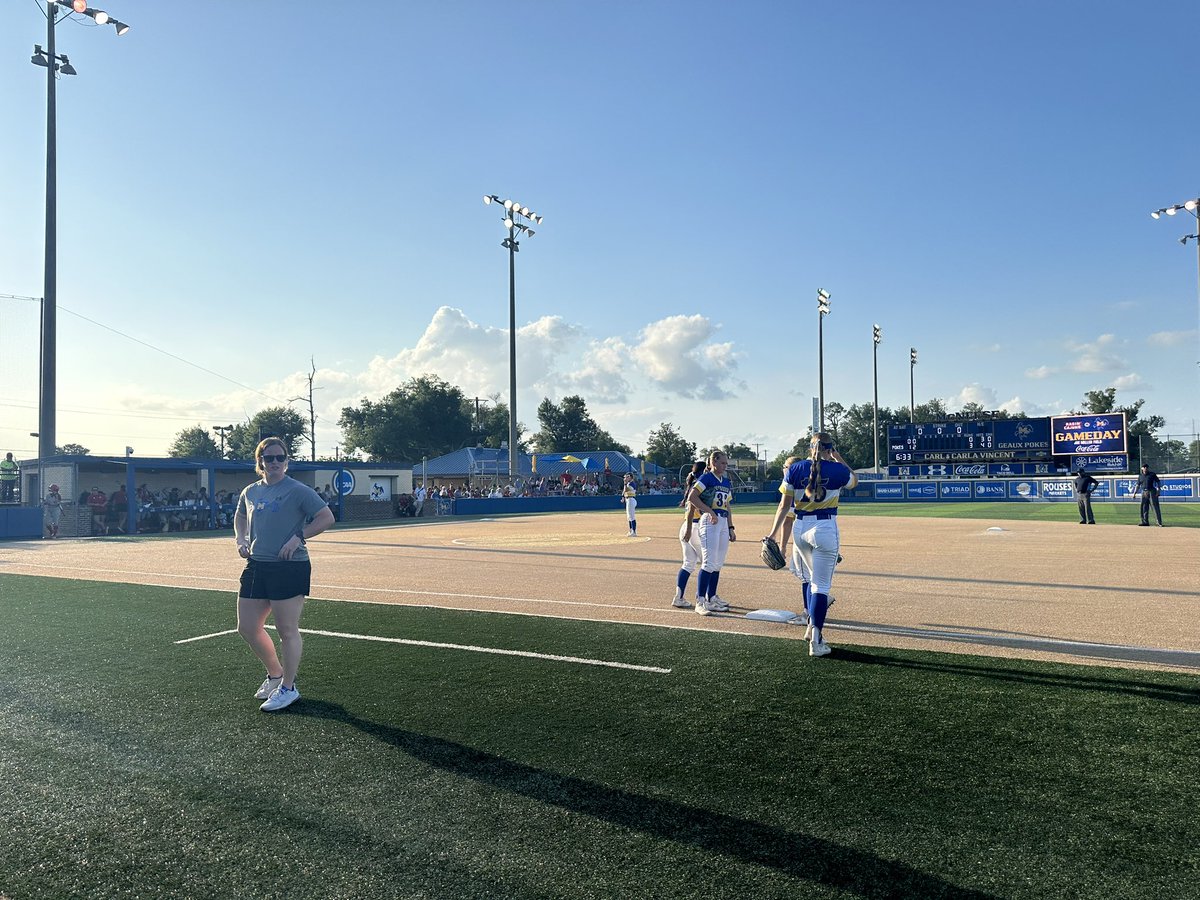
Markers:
471,648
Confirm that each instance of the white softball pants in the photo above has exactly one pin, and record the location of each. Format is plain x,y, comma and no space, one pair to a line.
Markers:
630,506
691,547
714,543
817,542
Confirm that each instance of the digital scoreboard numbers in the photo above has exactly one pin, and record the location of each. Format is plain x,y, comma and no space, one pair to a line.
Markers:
969,440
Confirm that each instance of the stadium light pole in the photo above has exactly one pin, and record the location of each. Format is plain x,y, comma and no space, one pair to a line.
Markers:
912,394
876,337
1192,207
54,64
822,312
516,220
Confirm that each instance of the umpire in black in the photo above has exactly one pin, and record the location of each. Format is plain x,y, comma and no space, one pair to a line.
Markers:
1084,485
1149,486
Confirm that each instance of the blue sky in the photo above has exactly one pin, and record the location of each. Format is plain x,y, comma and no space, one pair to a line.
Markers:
251,185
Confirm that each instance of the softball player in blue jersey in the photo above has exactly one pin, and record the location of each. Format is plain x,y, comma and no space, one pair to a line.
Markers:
712,495
689,537
811,488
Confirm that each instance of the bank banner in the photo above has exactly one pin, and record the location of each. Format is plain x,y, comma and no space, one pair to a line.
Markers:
1025,489
954,490
989,490
1074,435
1112,462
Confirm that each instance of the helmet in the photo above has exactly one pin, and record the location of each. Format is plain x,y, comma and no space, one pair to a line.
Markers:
53,488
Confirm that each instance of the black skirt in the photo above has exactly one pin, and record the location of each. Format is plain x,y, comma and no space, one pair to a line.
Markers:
276,579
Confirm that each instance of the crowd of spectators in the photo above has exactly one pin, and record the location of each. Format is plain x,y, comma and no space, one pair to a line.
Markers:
565,485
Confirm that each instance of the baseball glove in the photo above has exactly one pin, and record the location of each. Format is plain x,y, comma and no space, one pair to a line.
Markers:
772,555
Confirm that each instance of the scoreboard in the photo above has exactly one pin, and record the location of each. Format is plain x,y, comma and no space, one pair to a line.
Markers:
986,440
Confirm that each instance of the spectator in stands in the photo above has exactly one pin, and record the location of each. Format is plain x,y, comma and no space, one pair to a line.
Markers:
97,502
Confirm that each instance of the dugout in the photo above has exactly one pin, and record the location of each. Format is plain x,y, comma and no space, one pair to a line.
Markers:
361,490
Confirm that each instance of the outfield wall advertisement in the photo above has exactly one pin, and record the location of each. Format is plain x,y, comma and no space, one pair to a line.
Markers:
1062,489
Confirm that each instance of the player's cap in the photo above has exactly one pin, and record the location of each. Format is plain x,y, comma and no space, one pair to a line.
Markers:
54,487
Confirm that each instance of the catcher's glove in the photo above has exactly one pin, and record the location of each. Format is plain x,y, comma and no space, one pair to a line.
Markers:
772,555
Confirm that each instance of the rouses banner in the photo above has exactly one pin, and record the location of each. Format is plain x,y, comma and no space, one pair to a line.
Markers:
1072,435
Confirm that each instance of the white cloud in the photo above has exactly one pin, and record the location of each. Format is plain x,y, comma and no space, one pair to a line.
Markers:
1171,338
1129,382
1041,372
600,377
1096,357
673,352
974,393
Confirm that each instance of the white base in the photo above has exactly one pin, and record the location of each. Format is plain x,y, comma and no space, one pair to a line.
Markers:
773,615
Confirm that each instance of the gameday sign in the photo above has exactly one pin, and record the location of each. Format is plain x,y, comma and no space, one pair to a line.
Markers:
1076,435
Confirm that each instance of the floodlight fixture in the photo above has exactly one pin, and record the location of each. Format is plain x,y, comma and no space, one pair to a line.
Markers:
822,312
514,212
1192,208
877,333
55,64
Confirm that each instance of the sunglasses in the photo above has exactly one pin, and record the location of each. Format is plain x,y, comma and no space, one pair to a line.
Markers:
274,457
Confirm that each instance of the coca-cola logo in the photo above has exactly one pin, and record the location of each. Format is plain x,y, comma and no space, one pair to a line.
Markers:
970,470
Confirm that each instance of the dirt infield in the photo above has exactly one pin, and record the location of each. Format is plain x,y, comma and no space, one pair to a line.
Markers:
1106,594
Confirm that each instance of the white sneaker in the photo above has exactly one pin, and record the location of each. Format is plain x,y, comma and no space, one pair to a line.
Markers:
268,685
679,601
801,618
718,604
819,648
705,607
281,697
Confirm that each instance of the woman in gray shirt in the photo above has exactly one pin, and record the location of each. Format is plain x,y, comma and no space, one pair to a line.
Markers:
274,517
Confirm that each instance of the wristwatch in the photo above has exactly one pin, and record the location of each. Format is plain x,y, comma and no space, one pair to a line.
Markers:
300,534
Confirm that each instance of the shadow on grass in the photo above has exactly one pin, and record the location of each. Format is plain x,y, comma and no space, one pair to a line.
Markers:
1145,689
803,857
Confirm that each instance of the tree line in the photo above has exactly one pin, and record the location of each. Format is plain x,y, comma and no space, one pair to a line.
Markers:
427,416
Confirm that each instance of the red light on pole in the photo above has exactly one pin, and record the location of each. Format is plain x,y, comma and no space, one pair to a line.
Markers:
79,5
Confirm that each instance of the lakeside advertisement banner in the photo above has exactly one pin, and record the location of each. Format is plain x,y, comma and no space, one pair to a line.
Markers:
1074,435
1114,462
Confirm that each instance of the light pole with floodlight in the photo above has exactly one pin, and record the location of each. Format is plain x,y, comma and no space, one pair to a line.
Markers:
516,220
822,312
877,336
54,64
1192,207
912,394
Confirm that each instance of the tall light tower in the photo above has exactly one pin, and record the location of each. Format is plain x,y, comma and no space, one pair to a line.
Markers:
1192,207
876,336
912,395
55,64
516,220
822,312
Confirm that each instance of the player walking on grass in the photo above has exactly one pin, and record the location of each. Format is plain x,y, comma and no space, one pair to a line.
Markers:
689,537
629,497
274,517
811,488
712,495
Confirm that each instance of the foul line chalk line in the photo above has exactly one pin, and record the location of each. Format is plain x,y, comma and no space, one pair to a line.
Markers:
528,654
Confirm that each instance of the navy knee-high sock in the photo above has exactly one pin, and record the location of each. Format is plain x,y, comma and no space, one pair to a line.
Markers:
702,583
712,583
682,579
633,525
820,605
807,588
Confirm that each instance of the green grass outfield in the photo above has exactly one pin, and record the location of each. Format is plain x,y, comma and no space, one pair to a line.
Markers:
1175,515
133,766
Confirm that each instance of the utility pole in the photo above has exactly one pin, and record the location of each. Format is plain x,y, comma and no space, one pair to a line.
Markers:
223,430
